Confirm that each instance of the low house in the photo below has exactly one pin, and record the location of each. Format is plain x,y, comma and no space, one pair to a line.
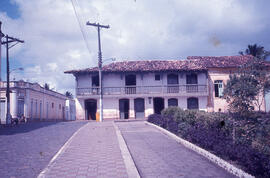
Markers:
32,101
136,89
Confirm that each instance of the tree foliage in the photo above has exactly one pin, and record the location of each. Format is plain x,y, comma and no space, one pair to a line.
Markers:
247,87
69,94
46,86
256,51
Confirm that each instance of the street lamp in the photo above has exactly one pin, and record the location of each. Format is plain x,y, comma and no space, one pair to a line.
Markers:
20,69
109,59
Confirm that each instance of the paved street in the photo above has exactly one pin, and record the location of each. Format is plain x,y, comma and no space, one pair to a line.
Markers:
27,148
157,155
93,152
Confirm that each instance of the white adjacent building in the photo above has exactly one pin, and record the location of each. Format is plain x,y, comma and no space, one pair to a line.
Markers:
35,103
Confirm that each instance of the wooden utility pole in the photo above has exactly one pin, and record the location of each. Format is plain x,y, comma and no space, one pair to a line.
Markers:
99,66
1,35
9,40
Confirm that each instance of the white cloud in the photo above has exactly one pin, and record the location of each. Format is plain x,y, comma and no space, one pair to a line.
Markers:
155,29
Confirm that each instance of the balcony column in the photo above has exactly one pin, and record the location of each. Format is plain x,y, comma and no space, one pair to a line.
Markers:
165,102
131,108
13,104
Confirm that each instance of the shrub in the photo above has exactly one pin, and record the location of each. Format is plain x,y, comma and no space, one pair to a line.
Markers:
156,119
250,148
170,111
172,125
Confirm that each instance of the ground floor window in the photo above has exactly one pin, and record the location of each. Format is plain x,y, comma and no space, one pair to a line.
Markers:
172,102
192,103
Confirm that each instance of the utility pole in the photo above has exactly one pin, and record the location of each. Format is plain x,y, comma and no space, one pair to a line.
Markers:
9,40
99,66
1,35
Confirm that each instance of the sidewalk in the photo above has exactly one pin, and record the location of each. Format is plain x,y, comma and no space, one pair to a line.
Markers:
92,152
157,155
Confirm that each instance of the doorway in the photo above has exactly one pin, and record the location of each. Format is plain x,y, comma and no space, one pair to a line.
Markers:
172,81
192,83
139,107
130,82
124,108
91,109
20,111
2,111
158,105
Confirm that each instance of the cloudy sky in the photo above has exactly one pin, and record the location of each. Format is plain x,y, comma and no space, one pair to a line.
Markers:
140,29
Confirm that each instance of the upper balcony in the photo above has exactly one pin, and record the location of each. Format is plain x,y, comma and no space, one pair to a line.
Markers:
181,90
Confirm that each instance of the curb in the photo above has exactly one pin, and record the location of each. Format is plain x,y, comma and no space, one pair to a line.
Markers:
213,158
129,163
42,174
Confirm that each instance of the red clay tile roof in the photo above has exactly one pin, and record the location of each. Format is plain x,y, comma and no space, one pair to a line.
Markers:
192,63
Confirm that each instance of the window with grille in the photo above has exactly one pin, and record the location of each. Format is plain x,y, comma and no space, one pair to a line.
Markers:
218,84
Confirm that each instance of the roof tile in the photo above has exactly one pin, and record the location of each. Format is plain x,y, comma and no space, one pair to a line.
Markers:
191,63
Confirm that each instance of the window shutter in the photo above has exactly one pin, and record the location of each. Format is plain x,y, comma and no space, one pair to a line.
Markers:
220,90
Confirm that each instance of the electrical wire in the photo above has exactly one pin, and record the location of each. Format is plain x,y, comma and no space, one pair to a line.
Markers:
80,24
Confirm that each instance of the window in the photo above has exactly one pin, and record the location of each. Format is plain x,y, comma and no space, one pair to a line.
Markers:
59,106
52,105
218,84
157,77
192,79
172,102
95,81
36,109
172,79
192,103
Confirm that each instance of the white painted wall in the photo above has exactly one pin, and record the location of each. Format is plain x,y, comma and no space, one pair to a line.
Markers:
142,79
267,102
111,103
70,110
84,81
113,80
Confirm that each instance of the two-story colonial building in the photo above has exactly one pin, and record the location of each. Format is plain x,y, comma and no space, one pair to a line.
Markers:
136,89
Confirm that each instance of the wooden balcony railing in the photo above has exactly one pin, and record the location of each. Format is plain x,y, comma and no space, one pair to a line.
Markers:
131,90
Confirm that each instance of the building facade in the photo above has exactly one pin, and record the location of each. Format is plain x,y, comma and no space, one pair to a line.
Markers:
32,101
136,89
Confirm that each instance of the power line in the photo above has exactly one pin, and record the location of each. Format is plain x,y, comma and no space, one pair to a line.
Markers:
80,25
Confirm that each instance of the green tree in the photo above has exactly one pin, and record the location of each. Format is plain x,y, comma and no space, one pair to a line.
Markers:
247,87
69,94
259,69
240,92
47,86
256,51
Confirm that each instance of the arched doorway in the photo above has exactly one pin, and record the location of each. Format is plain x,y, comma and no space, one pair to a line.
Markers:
91,109
124,108
172,102
139,107
158,105
192,103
